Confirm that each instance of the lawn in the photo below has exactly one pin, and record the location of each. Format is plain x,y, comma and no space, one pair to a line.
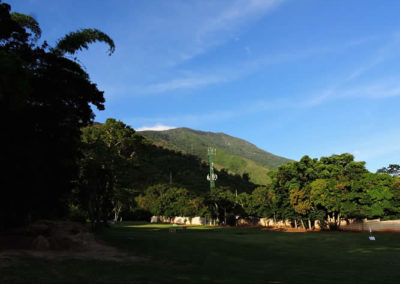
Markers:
229,255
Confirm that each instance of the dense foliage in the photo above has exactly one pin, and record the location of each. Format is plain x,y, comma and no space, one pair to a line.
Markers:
45,99
332,188
327,190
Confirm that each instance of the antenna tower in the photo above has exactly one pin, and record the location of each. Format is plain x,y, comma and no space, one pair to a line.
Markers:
211,176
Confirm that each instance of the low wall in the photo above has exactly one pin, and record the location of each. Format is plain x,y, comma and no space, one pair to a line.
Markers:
373,225
181,220
352,225
266,222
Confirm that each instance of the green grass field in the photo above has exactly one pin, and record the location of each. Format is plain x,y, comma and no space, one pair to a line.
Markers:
228,255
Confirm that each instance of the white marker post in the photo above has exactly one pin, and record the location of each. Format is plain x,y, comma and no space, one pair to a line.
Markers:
371,237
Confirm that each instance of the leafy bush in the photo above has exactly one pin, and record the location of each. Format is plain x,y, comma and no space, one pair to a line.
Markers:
231,220
77,215
333,226
136,214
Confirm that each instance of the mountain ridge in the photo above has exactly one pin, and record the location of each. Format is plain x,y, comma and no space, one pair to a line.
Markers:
236,155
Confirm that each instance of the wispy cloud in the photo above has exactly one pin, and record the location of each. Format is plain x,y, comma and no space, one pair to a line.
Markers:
239,69
189,82
350,86
157,127
377,147
379,89
237,14
224,26
198,28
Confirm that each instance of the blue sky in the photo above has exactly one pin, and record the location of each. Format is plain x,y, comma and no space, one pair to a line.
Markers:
294,77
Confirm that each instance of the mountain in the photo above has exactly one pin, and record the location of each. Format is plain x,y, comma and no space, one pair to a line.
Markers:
235,155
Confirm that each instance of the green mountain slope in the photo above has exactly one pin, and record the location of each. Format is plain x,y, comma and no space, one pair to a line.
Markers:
235,155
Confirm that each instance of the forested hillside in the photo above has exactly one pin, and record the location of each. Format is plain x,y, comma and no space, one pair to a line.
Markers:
120,168
158,165
236,155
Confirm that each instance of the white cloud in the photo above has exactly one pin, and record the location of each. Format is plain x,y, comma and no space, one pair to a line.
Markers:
157,127
187,120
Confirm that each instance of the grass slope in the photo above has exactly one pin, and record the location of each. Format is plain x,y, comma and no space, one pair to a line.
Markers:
238,165
158,165
227,255
236,155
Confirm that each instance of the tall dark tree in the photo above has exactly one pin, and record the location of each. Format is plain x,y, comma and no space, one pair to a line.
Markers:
106,169
45,99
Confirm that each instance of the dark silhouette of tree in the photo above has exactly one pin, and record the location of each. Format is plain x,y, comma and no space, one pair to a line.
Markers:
45,99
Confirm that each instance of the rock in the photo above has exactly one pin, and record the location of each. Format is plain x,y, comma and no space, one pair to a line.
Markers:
40,243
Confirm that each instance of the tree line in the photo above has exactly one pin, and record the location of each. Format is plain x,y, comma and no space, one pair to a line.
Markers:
327,190
140,177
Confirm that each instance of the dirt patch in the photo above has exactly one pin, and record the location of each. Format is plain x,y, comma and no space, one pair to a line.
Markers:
56,240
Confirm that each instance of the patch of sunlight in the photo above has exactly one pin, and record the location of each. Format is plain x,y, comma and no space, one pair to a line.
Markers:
201,227
167,226
151,226
371,250
385,248
360,250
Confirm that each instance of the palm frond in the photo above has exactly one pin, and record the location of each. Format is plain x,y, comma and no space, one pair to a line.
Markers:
80,39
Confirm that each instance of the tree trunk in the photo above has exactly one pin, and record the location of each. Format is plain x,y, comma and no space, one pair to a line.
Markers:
90,211
295,223
117,211
309,224
224,216
302,224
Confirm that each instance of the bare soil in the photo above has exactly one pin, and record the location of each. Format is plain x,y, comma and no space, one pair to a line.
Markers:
56,240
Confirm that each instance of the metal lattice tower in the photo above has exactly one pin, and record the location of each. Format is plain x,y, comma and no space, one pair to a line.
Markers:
211,177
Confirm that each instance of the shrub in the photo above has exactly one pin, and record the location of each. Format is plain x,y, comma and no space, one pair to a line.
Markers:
231,220
333,226
77,215
136,214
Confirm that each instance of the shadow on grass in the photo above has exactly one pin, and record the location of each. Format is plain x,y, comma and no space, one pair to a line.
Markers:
228,255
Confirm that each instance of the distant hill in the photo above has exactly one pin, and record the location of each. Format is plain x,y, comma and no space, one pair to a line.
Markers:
235,155
158,165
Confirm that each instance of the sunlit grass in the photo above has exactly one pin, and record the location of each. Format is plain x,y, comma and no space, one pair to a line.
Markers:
141,225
